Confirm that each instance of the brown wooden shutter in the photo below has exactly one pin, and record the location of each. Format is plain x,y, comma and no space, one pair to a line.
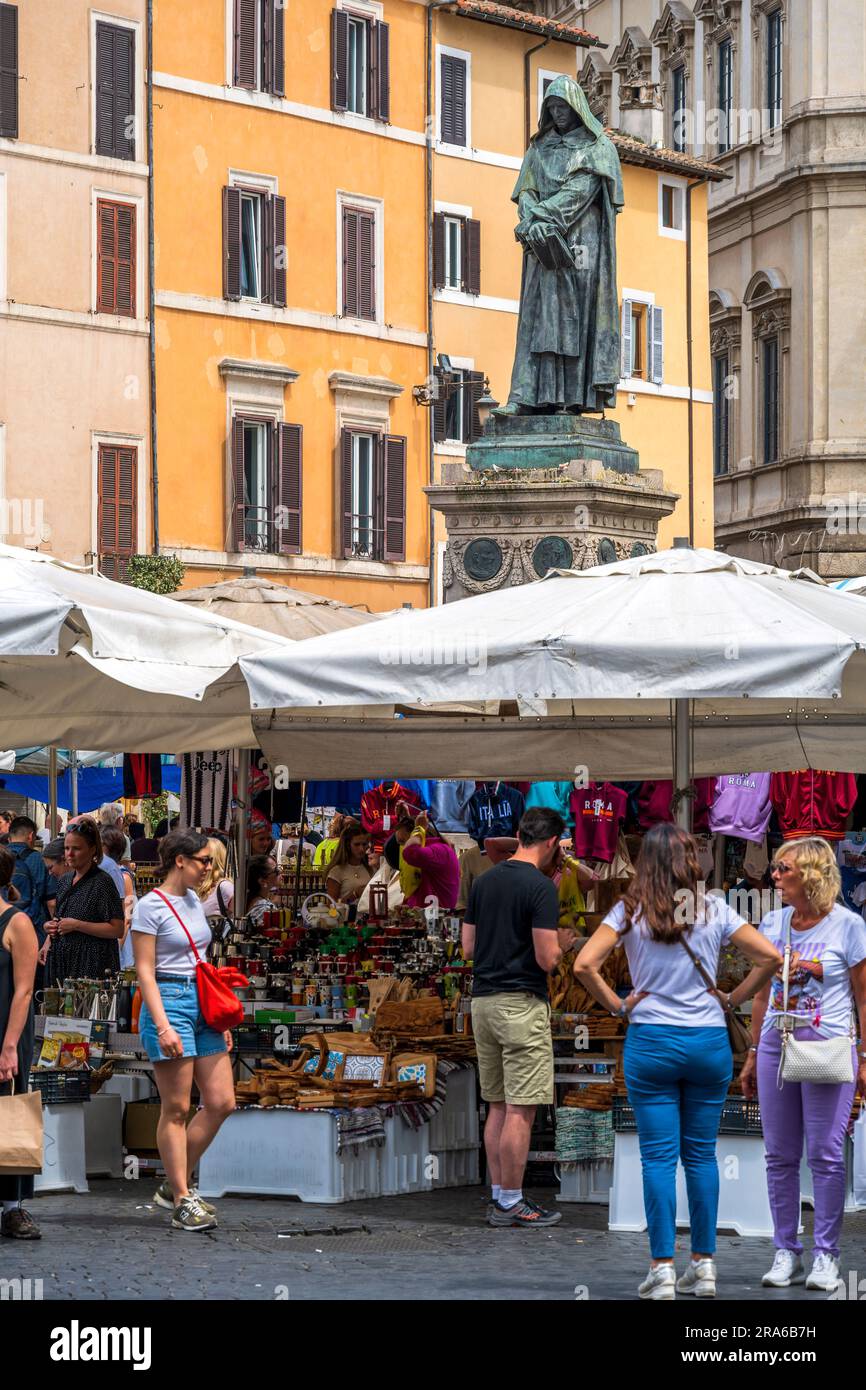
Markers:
452,100
238,498
339,60
289,488
276,20
345,504
366,265
350,263
9,71
394,489
439,250
471,396
440,406
115,258
471,256
245,44
382,96
279,253
231,243
116,508
115,91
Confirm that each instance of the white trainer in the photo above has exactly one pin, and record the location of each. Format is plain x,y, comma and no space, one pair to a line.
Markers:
787,1270
824,1273
660,1283
699,1279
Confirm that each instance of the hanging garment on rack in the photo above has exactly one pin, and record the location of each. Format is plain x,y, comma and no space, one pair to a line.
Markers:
597,811
449,802
206,789
380,808
494,809
556,795
808,802
654,804
742,805
142,775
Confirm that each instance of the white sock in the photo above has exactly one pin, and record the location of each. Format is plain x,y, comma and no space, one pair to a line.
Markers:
496,1190
509,1197
10,1206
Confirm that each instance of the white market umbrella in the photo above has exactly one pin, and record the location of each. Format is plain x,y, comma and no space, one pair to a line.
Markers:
584,669
90,662
857,585
277,608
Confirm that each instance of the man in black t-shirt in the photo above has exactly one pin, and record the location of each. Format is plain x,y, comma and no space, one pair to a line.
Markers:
511,935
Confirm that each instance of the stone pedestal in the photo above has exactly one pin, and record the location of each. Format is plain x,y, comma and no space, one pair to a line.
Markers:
550,441
511,526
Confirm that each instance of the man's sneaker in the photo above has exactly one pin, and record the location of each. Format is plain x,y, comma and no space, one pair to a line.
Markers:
824,1273
523,1214
787,1269
659,1284
190,1215
164,1197
18,1224
699,1279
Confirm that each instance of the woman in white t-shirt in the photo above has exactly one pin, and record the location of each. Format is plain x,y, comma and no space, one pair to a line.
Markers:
677,1056
182,1047
348,874
826,991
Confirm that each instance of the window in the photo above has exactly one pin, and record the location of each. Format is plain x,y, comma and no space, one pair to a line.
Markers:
9,71
455,410
678,107
638,333
117,468
360,65
725,56
721,414
774,69
642,341
266,459
258,48
373,495
770,399
115,91
672,208
254,245
115,258
453,99
456,253
358,263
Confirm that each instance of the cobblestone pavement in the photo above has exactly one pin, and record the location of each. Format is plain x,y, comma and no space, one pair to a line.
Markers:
112,1243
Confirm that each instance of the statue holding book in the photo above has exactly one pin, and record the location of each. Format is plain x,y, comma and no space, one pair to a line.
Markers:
568,194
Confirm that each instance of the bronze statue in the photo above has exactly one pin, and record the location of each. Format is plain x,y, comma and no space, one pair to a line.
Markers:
568,193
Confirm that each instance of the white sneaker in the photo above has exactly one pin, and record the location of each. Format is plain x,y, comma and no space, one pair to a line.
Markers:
659,1283
787,1269
824,1273
699,1279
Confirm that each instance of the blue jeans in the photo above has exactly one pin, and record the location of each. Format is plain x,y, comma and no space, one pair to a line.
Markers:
677,1080
180,1001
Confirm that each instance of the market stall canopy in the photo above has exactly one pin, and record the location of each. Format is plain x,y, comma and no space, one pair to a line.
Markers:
579,670
275,608
86,661
857,585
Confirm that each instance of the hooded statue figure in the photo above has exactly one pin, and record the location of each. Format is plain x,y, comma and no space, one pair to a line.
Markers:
568,194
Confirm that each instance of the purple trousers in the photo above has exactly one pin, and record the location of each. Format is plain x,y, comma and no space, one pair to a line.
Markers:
819,1114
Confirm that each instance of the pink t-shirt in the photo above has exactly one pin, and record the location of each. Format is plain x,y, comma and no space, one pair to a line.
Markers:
440,873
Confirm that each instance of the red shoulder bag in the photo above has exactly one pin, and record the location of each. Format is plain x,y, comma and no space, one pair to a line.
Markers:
220,1007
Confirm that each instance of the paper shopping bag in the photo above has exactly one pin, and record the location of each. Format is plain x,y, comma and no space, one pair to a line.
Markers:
21,1134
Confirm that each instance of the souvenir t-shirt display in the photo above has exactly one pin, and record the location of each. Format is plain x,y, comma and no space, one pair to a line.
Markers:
676,992
206,789
597,811
742,805
851,857
809,802
449,803
494,809
380,810
819,991
557,795
654,804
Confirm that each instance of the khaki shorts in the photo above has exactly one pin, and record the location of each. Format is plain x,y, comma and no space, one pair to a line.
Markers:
515,1050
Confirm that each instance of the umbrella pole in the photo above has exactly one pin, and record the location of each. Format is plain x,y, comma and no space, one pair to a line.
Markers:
682,768
242,831
52,789
73,779
300,851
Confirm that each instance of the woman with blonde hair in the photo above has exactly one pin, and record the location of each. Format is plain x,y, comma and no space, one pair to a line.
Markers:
826,985
217,891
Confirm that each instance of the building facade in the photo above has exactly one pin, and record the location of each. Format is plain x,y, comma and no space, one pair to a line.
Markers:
774,93
74,364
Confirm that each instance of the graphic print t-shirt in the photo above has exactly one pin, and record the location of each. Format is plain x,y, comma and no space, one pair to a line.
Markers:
820,986
597,810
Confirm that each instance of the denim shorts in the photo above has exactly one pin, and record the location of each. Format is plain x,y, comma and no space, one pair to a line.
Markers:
180,1001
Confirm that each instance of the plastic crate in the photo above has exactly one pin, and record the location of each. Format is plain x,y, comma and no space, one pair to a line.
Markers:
288,1153
455,1125
739,1116
454,1167
61,1087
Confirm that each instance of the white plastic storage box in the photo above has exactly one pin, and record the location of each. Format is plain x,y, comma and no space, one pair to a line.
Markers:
103,1127
406,1158
288,1153
455,1126
585,1182
454,1167
64,1166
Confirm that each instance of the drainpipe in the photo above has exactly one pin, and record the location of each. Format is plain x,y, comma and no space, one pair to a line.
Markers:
689,355
527,107
151,257
428,154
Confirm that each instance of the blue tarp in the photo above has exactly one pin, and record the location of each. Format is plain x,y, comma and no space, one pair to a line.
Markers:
95,785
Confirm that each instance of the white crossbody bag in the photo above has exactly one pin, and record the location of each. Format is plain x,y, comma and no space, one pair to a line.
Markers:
827,1061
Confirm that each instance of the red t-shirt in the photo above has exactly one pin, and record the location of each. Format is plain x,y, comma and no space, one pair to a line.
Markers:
654,804
597,810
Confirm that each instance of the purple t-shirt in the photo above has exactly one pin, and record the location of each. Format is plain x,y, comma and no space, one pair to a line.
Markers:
742,805
440,873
